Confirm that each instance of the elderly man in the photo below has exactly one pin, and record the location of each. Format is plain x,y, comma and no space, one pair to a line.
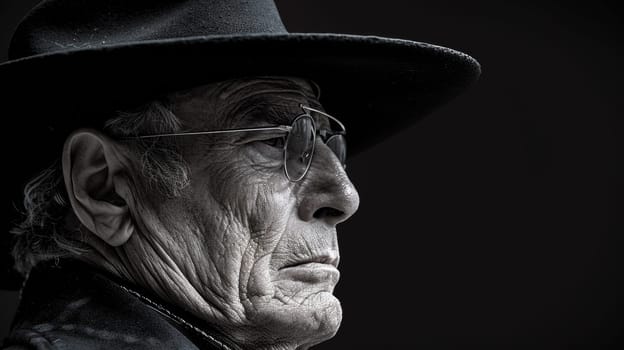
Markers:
195,201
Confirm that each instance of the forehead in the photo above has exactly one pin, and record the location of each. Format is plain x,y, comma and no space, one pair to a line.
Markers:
244,102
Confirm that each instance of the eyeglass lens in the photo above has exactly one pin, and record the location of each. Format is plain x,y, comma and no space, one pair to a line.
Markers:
338,145
300,148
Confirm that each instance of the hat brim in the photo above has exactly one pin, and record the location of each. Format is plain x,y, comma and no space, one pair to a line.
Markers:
374,85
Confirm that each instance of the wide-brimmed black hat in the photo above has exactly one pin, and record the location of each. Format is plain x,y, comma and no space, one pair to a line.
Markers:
72,63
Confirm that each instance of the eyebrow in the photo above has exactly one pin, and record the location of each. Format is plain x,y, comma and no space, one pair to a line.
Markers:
270,114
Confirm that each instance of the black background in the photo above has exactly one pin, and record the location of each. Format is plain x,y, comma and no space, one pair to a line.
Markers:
493,222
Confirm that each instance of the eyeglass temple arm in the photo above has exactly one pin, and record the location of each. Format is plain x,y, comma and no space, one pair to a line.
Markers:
194,133
306,108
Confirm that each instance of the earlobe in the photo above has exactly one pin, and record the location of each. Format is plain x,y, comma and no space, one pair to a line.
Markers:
93,176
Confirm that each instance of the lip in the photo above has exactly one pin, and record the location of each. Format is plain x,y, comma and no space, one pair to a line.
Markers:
327,259
311,272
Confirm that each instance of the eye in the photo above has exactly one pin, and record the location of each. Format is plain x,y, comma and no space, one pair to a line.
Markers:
277,142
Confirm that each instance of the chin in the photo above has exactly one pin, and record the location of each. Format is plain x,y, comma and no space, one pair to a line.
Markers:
314,320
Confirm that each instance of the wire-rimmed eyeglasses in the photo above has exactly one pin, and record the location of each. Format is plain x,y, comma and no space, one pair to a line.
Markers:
300,140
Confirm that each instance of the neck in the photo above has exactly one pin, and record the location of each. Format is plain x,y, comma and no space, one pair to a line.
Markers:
155,273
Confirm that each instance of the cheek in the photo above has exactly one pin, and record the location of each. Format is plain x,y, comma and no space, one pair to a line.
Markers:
251,201
255,191
242,212
261,203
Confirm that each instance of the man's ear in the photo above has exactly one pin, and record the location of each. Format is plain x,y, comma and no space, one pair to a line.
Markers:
95,181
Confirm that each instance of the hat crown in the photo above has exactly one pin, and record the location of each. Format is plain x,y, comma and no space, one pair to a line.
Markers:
61,25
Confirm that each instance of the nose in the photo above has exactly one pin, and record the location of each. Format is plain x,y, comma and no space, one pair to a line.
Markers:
326,192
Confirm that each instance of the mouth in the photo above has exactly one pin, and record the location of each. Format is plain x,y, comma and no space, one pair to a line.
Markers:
331,260
319,271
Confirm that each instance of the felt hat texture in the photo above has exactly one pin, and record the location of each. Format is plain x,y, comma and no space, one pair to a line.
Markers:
73,63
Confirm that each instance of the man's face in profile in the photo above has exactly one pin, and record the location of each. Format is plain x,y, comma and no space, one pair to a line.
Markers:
244,245
164,199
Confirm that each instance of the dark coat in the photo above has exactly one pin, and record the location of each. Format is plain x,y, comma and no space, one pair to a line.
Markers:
73,306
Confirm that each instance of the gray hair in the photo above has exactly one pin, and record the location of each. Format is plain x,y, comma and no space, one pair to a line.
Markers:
49,229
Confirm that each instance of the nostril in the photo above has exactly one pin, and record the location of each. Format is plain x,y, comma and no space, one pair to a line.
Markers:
326,212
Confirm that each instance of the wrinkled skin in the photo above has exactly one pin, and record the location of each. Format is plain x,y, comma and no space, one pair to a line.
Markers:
243,247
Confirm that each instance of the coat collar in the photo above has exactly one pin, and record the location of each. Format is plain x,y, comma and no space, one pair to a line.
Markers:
76,305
